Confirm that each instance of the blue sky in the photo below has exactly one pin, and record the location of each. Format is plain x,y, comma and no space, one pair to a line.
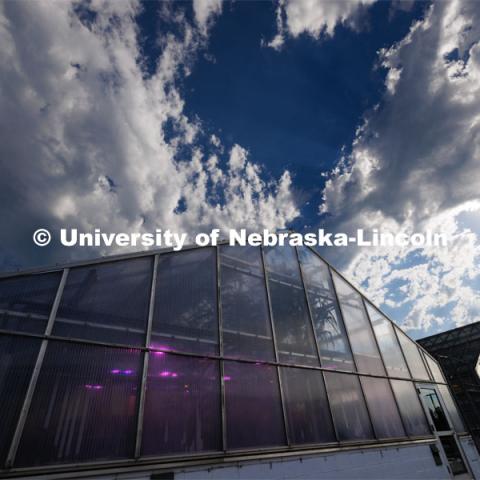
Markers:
193,115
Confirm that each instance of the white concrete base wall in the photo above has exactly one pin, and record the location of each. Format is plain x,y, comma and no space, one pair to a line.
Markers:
405,462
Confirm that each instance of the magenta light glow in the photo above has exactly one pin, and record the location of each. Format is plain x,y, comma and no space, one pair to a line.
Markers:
93,387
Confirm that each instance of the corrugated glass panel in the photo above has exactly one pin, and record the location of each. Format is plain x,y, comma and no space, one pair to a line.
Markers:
387,341
84,406
457,421
349,412
182,405
17,359
306,406
253,407
106,302
293,328
410,408
247,331
385,417
434,368
413,357
359,329
185,314
26,301
327,320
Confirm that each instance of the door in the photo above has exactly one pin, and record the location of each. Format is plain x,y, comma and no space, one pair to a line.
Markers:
443,430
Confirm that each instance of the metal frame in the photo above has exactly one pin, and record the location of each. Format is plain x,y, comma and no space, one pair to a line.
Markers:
146,356
223,416
385,367
353,354
12,452
275,348
327,395
444,433
47,336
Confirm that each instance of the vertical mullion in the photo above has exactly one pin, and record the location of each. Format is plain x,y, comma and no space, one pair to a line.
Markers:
316,342
12,452
143,386
351,349
275,348
384,365
221,352
403,353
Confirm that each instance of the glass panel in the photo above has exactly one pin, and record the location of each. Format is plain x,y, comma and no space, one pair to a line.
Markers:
84,406
451,409
306,406
25,302
182,405
410,408
435,409
453,454
434,369
247,331
385,417
106,302
17,359
253,407
185,314
293,328
359,329
327,320
348,407
412,354
387,341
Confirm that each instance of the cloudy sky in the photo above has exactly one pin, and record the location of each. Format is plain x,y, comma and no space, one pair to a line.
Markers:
304,114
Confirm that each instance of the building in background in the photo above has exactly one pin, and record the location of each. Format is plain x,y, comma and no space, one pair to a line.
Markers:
458,352
216,362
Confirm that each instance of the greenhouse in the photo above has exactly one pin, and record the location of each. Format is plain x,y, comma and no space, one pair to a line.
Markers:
173,364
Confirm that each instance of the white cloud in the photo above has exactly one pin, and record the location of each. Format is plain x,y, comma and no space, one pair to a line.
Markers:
205,11
314,17
83,139
415,162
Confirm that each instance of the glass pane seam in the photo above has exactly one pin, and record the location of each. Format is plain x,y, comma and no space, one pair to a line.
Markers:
221,351
383,363
274,338
146,353
317,345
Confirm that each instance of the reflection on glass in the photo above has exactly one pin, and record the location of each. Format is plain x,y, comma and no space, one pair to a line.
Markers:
435,409
185,313
348,407
385,417
292,324
26,301
410,408
182,405
252,406
84,406
359,329
247,330
329,329
387,341
451,409
413,357
17,359
434,368
106,302
306,406
453,454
